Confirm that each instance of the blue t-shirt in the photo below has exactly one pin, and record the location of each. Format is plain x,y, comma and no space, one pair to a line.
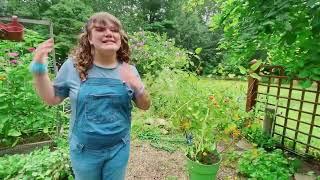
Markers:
67,82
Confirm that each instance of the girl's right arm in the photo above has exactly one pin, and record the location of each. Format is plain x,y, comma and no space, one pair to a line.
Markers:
43,84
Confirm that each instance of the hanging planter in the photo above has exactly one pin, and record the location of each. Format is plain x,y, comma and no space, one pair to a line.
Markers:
12,31
3,31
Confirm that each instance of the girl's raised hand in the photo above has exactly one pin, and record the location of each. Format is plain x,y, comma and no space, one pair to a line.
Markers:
42,51
129,77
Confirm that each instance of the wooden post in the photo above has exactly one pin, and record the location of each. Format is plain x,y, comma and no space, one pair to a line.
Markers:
252,91
268,120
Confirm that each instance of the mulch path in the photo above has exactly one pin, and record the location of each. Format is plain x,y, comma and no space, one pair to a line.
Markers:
149,163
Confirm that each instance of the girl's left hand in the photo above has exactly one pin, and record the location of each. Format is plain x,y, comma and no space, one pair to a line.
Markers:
127,75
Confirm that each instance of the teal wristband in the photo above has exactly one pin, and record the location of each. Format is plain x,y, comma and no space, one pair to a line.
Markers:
38,68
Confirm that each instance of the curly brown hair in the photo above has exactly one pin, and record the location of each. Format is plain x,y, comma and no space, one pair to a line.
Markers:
83,52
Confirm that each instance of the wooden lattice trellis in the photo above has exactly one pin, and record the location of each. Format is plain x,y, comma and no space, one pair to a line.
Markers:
292,112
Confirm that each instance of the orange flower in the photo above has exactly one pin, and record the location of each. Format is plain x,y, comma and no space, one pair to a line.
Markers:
212,97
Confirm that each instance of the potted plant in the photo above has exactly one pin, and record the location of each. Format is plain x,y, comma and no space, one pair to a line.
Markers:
203,119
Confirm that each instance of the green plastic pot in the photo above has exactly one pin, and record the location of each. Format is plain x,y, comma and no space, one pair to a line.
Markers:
198,171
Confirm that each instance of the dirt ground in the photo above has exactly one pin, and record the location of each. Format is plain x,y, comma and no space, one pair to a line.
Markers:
148,163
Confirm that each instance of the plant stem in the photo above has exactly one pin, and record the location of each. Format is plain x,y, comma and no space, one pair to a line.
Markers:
180,108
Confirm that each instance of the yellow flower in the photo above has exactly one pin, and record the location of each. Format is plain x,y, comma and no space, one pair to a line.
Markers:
236,133
236,117
230,129
255,153
185,124
2,78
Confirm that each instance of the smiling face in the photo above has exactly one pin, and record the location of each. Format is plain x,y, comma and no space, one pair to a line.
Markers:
105,37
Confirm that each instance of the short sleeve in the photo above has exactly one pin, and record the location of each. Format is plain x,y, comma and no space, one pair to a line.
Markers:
61,82
135,71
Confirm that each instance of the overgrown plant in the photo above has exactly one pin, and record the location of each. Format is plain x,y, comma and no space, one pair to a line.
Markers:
203,119
259,164
152,53
278,32
255,134
39,164
22,113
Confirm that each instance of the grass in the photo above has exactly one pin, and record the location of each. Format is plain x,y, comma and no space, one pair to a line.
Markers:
144,127
305,117
239,89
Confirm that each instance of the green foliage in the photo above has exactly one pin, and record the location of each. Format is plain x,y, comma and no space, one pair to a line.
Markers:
26,8
22,111
200,113
68,16
188,27
190,32
39,164
259,164
170,90
278,32
148,129
129,12
153,52
255,134
31,40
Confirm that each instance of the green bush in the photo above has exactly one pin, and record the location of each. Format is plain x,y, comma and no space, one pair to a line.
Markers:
170,90
22,111
39,164
68,17
259,164
152,52
255,134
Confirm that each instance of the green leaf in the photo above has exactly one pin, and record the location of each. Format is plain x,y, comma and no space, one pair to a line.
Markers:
242,70
304,74
15,142
305,84
287,26
316,71
198,50
310,173
231,75
46,130
315,77
256,65
13,132
312,3
5,106
256,76
196,56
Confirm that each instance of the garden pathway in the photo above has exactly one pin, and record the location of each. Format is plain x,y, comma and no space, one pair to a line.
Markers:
149,163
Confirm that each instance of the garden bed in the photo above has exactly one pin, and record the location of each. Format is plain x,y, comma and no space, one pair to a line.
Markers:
26,144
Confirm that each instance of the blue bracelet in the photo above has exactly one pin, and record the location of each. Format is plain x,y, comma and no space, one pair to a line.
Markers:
38,68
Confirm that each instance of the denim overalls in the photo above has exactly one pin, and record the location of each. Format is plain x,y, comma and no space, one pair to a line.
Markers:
100,139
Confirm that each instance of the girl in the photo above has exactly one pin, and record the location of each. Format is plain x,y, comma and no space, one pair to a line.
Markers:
100,85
